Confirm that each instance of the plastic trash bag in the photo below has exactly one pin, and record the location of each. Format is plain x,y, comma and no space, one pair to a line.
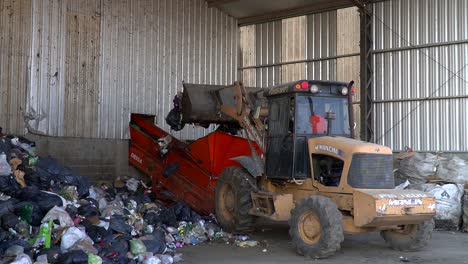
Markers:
448,204
453,170
118,224
152,260
22,259
132,184
88,210
465,211
42,259
5,168
57,213
165,259
137,247
156,242
9,220
73,257
419,167
44,200
14,251
7,206
62,174
93,259
72,236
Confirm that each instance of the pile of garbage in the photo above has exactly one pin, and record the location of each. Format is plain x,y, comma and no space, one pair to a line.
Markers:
49,214
443,176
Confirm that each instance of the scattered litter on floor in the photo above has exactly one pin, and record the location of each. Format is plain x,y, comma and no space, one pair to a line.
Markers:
247,243
404,259
49,214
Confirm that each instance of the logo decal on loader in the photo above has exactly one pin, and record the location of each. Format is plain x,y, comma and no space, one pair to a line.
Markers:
410,202
329,149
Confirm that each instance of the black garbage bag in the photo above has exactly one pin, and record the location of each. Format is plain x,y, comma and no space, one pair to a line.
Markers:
118,224
45,201
37,177
8,185
4,245
88,210
96,233
52,253
7,206
179,212
152,217
4,235
174,120
64,175
118,260
9,220
73,257
114,246
157,243
5,146
185,213
71,210
167,216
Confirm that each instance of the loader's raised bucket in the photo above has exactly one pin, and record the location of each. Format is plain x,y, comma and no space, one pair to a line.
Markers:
374,208
201,103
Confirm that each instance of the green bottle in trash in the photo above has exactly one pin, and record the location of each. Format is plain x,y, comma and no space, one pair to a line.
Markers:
45,235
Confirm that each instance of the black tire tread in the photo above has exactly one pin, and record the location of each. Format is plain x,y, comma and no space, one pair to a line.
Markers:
411,242
241,182
331,235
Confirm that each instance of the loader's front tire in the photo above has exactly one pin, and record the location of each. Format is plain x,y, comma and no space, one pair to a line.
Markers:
410,237
233,200
315,227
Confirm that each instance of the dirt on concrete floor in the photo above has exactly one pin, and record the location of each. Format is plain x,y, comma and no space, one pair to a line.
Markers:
445,247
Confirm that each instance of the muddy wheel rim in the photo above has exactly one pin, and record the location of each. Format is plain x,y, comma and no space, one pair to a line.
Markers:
309,227
227,202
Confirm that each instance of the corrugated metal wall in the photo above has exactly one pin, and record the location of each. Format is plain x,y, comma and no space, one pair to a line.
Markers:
95,62
421,53
15,42
322,46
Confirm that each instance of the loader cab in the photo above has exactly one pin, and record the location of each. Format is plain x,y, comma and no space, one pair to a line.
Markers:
299,111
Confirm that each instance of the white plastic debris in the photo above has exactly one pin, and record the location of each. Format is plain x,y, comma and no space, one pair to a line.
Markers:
5,168
72,236
22,259
403,185
132,184
60,214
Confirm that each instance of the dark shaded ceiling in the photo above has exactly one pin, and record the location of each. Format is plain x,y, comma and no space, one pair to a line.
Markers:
255,11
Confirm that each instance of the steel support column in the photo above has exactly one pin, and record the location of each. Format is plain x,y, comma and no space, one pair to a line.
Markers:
365,10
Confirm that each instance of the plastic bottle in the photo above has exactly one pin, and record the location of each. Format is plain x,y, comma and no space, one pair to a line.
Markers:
44,236
5,168
30,150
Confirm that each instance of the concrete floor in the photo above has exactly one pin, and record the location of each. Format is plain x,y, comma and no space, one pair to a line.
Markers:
445,247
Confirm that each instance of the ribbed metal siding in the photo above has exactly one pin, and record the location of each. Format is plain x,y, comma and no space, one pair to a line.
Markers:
95,62
267,49
149,47
15,42
401,72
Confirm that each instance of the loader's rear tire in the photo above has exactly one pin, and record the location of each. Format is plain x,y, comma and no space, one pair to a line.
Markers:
315,227
233,200
410,237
